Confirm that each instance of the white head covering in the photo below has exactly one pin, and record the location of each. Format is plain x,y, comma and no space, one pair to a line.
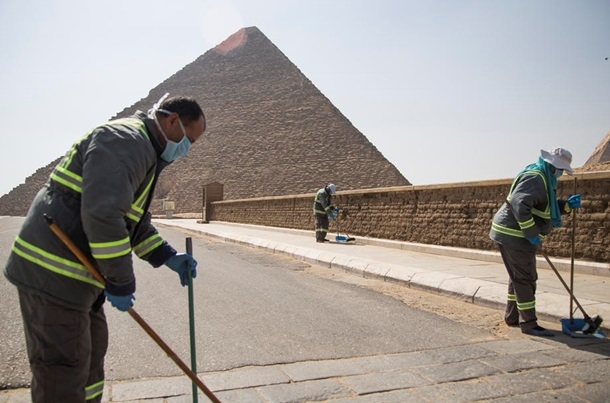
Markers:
560,158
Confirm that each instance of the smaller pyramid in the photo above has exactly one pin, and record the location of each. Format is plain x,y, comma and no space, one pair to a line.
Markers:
600,159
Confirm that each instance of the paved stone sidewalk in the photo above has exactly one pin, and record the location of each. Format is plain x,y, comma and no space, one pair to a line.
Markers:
525,369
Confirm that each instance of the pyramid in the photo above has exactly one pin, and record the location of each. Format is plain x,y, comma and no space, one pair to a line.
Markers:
600,159
270,131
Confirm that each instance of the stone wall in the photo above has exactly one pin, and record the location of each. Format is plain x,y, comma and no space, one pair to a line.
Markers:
457,215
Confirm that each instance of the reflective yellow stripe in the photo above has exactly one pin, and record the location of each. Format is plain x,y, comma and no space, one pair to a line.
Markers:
109,250
524,306
511,297
94,390
506,230
527,224
142,199
67,178
54,263
149,244
133,214
136,211
543,214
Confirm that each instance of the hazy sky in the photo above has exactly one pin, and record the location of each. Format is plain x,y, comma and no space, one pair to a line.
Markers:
447,90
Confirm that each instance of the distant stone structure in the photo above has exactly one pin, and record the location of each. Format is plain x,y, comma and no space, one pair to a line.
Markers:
270,132
600,159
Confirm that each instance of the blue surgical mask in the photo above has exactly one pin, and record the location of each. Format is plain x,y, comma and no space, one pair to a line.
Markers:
558,173
173,150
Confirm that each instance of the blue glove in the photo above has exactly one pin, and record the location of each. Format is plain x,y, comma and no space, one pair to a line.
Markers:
574,201
181,263
120,302
331,215
535,240
337,210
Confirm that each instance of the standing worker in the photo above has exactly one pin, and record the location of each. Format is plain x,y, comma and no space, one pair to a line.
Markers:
99,195
322,209
529,214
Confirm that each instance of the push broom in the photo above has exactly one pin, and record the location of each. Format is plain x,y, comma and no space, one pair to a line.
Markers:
589,326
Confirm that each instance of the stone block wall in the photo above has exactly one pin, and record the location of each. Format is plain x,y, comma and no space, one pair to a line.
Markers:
457,215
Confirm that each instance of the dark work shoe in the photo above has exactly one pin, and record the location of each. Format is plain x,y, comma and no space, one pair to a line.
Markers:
539,331
515,324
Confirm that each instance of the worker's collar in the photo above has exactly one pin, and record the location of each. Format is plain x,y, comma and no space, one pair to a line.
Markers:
151,129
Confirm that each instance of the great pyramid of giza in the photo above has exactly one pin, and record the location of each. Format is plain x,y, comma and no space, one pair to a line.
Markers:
600,159
270,132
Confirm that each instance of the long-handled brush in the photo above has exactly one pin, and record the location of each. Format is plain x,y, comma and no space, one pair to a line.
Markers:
589,325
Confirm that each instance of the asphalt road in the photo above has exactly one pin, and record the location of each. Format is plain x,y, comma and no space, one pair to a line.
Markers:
252,308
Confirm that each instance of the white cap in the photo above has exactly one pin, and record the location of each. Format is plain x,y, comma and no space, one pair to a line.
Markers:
560,158
332,188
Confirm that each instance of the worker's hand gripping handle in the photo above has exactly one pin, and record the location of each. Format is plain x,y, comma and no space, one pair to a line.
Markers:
85,261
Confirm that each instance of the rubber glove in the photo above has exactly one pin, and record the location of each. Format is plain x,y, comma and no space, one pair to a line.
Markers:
331,215
337,210
120,302
534,241
181,263
574,201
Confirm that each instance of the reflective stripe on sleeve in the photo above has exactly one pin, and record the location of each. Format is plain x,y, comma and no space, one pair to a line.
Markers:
149,244
507,231
67,178
527,224
109,250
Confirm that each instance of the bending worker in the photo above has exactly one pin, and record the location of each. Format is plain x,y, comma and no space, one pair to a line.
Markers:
529,214
322,209
99,195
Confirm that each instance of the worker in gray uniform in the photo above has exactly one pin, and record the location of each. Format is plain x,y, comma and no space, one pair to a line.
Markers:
530,213
323,209
99,195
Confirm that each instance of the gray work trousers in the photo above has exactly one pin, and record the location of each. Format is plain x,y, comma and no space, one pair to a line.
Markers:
66,350
521,302
321,221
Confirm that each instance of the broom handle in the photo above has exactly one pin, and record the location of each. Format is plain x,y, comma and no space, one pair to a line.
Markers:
85,261
189,250
572,259
587,317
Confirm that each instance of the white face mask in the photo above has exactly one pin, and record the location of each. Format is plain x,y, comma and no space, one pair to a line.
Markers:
173,150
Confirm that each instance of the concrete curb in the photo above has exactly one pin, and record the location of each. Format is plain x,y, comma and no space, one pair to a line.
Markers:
485,293
562,265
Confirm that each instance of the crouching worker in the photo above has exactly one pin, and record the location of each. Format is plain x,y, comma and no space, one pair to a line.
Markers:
98,195
530,213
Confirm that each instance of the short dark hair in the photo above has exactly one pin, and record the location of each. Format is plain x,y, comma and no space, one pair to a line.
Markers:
186,107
